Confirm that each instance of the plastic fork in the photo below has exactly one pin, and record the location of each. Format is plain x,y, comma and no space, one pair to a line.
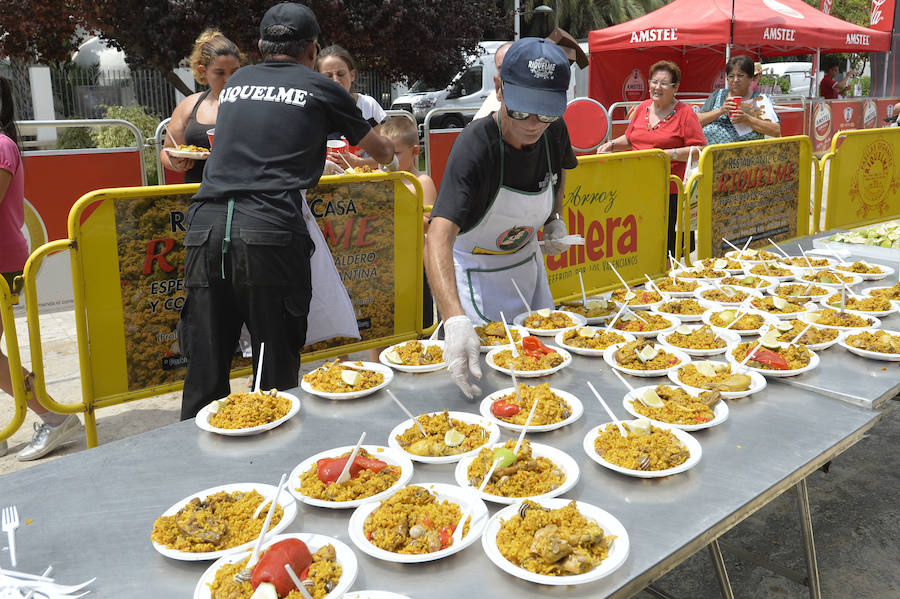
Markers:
10,522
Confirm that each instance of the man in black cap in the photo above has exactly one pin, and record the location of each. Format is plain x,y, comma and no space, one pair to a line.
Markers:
248,248
504,181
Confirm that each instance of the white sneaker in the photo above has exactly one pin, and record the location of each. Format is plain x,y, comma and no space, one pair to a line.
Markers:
47,438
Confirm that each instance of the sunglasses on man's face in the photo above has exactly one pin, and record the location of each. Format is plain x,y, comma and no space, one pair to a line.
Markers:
524,116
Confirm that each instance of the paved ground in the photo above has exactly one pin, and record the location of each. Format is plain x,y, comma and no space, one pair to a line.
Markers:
856,519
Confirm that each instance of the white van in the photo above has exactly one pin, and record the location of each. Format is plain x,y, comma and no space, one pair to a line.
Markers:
799,73
468,90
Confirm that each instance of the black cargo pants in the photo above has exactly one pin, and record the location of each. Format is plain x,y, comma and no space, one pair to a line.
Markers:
266,285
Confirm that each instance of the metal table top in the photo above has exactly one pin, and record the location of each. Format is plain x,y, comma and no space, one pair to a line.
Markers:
846,376
92,512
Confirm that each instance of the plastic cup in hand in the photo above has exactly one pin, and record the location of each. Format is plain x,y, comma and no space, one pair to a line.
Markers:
210,133
334,147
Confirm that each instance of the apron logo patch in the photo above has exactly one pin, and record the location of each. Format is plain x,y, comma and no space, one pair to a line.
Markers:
513,239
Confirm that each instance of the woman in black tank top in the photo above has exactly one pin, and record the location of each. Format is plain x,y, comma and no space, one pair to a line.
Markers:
214,59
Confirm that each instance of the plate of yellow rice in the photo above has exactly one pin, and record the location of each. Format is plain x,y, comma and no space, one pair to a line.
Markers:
243,414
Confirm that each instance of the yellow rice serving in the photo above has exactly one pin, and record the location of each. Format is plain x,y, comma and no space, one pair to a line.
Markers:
528,476
863,304
323,575
676,285
720,263
828,277
493,333
589,338
752,254
770,270
246,410
219,521
834,318
799,291
643,321
721,379
415,353
796,355
641,297
659,449
892,293
560,542
682,306
812,336
627,356
770,305
505,359
556,320
435,445
680,406
700,338
804,262
551,407
747,322
748,281
860,268
879,341
328,377
702,273
368,482
734,296
414,521
593,308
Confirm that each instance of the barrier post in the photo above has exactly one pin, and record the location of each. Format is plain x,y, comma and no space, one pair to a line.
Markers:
8,299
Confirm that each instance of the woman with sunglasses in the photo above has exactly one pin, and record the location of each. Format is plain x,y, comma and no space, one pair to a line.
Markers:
503,183
664,123
738,113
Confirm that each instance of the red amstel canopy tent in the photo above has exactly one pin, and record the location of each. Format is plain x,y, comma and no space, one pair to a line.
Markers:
695,34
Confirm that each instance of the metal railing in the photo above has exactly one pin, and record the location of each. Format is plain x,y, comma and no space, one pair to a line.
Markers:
85,92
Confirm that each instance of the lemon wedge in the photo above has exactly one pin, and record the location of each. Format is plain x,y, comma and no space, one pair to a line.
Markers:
728,290
587,332
506,456
453,437
650,399
770,340
647,353
748,280
393,357
779,302
727,315
684,330
597,305
543,312
351,377
705,368
630,295
720,264
784,327
638,428
812,317
627,317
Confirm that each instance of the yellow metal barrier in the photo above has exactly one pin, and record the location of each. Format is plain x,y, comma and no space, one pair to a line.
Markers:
8,299
863,169
126,254
619,204
764,189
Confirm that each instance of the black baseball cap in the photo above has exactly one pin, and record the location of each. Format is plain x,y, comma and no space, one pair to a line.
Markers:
297,17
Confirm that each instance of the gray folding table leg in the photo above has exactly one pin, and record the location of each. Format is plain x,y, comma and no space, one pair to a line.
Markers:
812,568
721,574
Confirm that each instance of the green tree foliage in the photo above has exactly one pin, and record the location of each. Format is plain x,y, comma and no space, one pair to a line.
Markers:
122,137
578,17
853,11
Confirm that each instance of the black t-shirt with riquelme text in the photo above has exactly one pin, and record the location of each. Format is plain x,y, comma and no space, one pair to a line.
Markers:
274,119
472,177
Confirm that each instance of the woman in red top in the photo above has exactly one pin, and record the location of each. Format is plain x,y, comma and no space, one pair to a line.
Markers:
664,123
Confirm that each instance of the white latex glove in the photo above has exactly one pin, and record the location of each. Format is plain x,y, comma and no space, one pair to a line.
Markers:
394,165
461,350
553,232
332,168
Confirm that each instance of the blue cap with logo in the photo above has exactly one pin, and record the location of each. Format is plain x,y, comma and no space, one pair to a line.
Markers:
535,74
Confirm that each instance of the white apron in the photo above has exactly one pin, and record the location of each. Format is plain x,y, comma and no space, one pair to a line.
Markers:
330,309
503,246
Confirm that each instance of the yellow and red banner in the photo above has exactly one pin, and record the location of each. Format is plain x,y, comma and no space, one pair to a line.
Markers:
759,188
128,266
619,204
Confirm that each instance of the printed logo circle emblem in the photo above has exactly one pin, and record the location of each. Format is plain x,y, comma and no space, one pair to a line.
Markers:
513,239
822,122
635,87
875,175
848,114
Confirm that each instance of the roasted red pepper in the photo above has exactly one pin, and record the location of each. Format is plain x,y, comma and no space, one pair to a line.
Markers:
329,469
502,409
446,536
534,347
770,358
270,567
